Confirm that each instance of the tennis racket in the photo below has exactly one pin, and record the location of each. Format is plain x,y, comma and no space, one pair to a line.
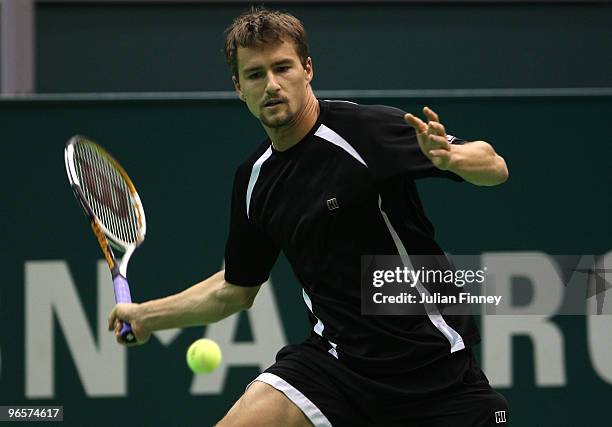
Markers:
113,207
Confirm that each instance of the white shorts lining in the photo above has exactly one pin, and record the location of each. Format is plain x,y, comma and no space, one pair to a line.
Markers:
309,409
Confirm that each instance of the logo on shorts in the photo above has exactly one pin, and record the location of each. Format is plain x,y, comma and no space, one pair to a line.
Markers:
500,417
332,204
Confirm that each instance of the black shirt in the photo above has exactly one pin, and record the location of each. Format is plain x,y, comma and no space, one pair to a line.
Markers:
345,190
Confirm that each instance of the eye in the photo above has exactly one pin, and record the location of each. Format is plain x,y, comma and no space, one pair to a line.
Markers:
254,76
283,69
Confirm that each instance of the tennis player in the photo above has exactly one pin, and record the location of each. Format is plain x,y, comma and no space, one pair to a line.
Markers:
333,181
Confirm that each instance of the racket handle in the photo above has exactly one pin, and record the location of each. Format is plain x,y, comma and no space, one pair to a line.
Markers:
122,295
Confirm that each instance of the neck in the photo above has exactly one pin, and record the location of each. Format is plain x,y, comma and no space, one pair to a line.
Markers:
287,136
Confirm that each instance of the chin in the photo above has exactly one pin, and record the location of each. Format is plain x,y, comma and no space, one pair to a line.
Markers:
276,122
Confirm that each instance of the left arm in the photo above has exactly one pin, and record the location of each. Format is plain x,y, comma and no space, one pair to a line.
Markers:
476,162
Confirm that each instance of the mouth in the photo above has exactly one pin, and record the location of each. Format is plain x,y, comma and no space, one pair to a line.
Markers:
273,102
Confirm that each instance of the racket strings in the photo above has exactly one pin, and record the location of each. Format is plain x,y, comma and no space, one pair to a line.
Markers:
107,192
114,201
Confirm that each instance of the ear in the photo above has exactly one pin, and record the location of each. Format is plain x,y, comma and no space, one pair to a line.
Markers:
309,70
237,88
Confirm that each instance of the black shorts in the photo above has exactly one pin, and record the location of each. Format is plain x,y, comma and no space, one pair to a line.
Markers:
450,392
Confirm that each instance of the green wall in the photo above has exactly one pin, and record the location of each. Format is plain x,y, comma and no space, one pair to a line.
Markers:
379,45
182,155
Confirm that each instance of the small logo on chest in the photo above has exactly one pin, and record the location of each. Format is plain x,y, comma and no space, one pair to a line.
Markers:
500,417
332,204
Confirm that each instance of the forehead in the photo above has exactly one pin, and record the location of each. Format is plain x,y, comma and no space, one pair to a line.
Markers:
265,53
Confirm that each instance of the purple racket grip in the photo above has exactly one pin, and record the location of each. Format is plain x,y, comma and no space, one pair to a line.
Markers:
122,295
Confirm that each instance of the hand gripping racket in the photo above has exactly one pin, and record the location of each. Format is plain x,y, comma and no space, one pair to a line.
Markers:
113,207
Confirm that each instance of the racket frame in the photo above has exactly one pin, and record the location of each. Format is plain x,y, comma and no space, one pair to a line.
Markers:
107,239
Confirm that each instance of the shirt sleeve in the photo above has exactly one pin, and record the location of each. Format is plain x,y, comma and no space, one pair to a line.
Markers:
393,149
249,253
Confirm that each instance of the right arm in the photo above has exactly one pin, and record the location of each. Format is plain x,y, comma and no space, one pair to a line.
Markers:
249,257
206,302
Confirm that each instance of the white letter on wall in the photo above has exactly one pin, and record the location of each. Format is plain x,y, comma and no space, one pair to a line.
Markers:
50,291
599,327
498,330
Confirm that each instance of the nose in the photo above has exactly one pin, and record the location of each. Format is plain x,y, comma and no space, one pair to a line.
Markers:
272,85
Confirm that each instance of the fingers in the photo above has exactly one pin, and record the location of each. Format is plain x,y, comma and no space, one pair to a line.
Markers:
112,319
439,153
439,142
435,128
122,313
440,158
416,123
119,338
431,115
431,135
114,324
115,317
115,321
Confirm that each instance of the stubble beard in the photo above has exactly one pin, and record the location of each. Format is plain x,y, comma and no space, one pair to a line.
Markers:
277,121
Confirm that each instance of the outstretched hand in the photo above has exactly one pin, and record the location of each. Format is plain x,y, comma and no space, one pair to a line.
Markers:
432,138
127,313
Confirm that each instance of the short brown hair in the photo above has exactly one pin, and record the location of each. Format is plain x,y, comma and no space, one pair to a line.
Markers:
259,26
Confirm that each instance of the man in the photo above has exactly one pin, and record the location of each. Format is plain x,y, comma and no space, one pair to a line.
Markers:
335,181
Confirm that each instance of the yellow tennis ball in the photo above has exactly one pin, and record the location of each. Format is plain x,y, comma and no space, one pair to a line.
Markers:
203,356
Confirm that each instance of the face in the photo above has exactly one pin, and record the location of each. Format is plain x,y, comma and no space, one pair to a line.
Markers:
272,82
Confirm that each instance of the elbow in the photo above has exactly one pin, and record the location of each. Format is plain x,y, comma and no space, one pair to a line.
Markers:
247,303
502,169
496,173
244,297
